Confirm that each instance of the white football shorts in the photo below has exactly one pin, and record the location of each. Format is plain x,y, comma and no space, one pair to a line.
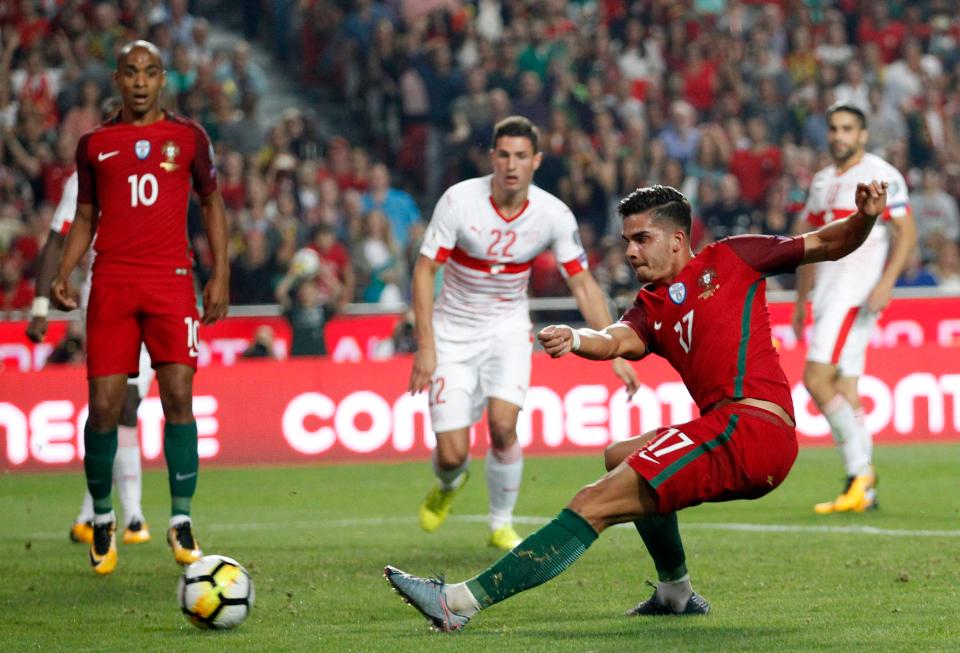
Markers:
469,373
840,337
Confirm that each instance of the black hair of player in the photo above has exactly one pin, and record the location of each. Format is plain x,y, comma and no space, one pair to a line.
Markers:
141,44
517,126
667,204
846,107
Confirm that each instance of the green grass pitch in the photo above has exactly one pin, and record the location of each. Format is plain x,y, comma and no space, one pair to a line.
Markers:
315,540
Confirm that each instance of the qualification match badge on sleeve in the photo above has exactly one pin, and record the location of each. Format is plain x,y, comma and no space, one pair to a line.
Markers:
169,151
677,292
708,283
142,149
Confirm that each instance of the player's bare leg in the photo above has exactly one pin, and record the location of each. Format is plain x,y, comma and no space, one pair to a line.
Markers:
504,471
451,462
127,473
100,443
180,451
838,401
673,593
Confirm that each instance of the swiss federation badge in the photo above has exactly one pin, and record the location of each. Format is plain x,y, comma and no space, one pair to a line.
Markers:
677,292
142,149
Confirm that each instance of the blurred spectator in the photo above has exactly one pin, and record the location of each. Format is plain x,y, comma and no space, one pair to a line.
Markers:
308,312
262,345
379,261
336,277
398,206
252,272
757,165
947,266
936,214
729,215
916,274
70,349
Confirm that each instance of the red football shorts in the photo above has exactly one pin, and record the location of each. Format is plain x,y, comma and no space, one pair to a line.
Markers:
122,313
732,452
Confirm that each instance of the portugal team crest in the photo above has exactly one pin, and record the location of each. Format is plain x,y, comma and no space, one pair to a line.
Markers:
142,149
708,283
677,292
169,151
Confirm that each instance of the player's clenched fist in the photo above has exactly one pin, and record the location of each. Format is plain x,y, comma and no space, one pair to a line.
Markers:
872,197
556,339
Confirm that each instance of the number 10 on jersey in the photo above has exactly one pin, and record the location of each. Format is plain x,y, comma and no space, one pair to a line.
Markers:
143,189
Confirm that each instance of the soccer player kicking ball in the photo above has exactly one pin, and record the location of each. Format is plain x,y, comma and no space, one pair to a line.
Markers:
135,173
707,315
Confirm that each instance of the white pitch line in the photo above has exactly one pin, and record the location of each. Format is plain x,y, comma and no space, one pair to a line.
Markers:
530,520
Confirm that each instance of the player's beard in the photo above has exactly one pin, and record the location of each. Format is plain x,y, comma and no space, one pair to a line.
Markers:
842,153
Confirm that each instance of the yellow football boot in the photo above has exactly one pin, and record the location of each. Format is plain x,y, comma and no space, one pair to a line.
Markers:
82,532
103,549
436,506
504,538
859,496
136,532
185,547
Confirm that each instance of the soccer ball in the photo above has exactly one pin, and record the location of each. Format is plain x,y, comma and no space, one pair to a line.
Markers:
305,263
215,592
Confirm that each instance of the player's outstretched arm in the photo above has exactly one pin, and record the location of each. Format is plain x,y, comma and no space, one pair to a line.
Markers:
77,244
216,294
425,360
616,340
46,271
837,239
595,309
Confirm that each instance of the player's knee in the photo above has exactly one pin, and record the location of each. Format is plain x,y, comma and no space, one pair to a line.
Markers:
588,504
177,404
503,433
104,414
451,457
613,456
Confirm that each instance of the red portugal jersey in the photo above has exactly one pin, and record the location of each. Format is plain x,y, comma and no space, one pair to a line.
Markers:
711,323
139,178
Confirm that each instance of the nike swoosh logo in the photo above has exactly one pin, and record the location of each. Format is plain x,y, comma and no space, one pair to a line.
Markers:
104,156
183,477
656,326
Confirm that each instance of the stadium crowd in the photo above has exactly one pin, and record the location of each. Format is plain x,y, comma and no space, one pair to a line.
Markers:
723,99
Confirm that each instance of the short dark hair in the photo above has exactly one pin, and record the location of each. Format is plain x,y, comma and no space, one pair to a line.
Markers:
667,203
846,107
517,126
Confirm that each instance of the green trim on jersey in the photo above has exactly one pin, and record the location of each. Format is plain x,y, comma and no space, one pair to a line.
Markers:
696,453
744,339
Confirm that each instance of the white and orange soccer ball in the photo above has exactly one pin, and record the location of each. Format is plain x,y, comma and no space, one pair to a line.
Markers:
215,592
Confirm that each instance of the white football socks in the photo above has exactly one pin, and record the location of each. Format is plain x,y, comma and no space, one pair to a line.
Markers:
450,479
504,470
86,508
850,434
675,593
461,600
127,475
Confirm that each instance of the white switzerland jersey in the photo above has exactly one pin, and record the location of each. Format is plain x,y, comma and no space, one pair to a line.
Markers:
833,197
63,218
489,257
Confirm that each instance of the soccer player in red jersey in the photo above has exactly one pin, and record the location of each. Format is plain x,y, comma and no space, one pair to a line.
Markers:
135,174
707,315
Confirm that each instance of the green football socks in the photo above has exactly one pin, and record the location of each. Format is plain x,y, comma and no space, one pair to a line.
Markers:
183,463
540,557
661,535
98,467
